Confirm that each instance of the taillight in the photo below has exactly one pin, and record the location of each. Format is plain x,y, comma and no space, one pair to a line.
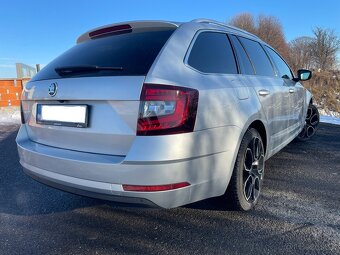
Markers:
166,110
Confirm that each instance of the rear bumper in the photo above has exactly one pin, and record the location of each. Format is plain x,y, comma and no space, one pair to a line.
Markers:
82,187
102,176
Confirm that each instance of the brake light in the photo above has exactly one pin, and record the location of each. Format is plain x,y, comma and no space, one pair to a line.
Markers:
110,30
166,110
153,188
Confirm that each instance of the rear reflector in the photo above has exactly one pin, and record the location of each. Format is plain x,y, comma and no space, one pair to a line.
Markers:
109,30
153,188
166,109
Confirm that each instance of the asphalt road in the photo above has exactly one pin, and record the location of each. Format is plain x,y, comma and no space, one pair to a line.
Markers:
298,213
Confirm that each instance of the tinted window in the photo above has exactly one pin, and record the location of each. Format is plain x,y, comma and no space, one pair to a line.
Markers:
258,57
134,52
212,53
282,67
243,59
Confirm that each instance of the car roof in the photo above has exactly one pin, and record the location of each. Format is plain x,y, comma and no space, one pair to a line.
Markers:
147,24
218,25
130,25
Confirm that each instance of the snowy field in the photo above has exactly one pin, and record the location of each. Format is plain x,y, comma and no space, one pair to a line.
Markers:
11,115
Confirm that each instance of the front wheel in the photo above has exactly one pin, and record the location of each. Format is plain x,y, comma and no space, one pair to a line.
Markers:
311,124
246,182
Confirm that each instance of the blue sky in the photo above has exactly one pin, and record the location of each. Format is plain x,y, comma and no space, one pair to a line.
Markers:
37,31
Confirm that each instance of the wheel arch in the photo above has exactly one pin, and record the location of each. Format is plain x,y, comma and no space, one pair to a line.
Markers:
309,98
260,127
231,191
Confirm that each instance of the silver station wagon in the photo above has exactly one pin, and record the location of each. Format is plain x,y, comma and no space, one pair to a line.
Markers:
163,113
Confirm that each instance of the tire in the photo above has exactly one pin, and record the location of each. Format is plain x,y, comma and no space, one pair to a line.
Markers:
311,124
246,182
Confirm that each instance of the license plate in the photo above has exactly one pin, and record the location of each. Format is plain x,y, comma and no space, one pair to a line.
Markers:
63,115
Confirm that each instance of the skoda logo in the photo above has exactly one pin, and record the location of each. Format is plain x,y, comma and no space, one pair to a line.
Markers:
52,89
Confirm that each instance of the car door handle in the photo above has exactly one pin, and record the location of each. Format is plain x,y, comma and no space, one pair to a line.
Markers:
263,92
291,90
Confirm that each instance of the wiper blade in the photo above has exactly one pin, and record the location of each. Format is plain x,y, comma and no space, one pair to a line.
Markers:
74,70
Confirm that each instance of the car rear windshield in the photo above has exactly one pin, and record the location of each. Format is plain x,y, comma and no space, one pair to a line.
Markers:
129,54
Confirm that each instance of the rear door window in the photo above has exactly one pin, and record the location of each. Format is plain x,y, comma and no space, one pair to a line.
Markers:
243,59
258,57
212,53
134,52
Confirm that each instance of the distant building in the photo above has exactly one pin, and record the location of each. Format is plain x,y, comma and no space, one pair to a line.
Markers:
25,71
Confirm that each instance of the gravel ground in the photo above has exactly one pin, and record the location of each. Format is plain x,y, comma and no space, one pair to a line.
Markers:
298,213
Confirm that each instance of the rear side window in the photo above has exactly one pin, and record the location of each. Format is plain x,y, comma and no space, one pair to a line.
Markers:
212,53
243,59
134,52
284,70
258,57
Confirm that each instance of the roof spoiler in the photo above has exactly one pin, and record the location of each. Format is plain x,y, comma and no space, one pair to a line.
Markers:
125,27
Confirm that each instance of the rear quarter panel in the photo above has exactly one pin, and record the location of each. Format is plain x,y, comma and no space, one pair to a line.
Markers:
225,100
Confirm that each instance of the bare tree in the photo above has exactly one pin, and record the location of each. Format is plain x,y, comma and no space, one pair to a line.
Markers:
325,46
268,28
319,52
301,53
244,21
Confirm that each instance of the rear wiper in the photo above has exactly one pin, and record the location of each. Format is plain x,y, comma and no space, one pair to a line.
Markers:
74,70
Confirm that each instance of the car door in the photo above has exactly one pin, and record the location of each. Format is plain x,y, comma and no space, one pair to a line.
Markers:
296,104
271,92
294,90
299,100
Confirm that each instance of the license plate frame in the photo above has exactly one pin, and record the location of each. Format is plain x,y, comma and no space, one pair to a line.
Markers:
62,115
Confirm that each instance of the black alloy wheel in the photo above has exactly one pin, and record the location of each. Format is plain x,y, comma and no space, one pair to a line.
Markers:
311,125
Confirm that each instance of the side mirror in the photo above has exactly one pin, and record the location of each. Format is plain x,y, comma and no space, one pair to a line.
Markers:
303,75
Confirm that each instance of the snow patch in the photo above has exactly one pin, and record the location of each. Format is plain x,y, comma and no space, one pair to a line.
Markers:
10,115
325,112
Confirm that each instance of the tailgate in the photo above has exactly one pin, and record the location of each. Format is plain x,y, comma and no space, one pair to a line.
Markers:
113,105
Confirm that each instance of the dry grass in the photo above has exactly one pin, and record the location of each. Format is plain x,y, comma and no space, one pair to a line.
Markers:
325,88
